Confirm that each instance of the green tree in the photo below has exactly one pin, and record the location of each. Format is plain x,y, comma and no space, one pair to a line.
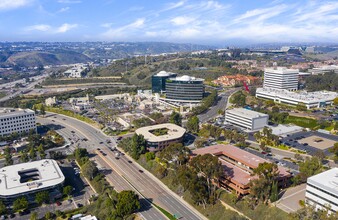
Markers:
32,153
138,146
301,107
48,216
89,170
127,203
8,156
175,154
20,204
175,118
193,124
67,190
42,110
3,209
42,197
24,157
334,150
41,151
150,156
210,167
335,101
309,168
274,191
34,216
261,188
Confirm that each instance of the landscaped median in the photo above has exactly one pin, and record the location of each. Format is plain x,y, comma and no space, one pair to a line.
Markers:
73,115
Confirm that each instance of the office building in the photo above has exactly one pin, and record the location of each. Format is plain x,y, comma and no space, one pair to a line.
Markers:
316,99
162,135
238,167
158,81
184,89
281,78
322,190
29,178
16,120
248,119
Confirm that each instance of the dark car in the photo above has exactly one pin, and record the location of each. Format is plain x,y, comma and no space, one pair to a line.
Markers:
58,203
101,142
141,171
64,119
129,161
263,152
72,132
119,138
12,215
24,212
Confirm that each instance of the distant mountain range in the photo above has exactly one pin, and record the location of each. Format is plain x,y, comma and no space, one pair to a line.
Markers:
29,54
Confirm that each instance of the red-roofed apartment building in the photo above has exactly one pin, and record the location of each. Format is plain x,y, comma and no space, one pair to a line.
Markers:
232,80
238,166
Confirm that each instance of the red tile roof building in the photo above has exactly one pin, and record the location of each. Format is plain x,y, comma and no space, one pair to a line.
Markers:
238,166
232,80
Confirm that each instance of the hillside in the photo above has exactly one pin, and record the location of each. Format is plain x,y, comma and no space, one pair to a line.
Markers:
37,58
324,56
118,50
136,72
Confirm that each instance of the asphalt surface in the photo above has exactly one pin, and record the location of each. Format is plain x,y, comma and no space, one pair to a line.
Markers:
144,182
292,140
221,104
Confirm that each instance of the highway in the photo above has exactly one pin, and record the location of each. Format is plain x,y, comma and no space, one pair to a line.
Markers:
221,104
144,182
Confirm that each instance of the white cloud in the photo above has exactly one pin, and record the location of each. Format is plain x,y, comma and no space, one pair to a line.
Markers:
54,30
65,27
106,25
182,20
63,10
128,29
12,4
38,27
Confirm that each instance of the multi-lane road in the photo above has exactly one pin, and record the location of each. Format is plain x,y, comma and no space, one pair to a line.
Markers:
141,181
221,104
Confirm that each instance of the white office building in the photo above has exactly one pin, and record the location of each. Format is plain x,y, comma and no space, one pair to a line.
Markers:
281,78
248,119
28,178
16,120
309,99
322,190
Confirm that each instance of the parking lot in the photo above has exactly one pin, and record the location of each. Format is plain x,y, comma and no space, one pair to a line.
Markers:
310,142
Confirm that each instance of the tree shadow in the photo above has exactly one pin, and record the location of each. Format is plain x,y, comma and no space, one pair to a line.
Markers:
145,204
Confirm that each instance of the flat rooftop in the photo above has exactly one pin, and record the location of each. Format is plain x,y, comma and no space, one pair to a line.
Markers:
246,113
26,177
281,70
8,112
327,180
173,132
318,96
186,78
237,154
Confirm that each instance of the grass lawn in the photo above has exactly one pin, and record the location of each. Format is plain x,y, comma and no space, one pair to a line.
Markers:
2,94
301,121
262,212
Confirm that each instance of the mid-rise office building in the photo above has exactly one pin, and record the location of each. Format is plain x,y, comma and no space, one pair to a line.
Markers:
185,89
247,119
25,179
322,190
162,135
281,78
158,81
238,166
316,99
16,120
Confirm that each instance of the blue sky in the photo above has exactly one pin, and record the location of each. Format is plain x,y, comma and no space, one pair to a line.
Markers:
191,21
